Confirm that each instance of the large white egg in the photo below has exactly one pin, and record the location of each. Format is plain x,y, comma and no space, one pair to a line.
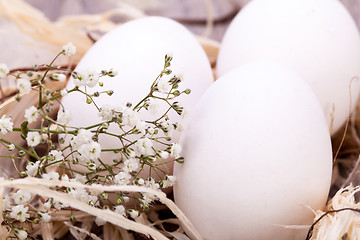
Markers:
257,153
318,39
137,51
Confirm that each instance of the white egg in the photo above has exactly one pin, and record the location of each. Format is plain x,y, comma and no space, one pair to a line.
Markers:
257,153
137,50
318,39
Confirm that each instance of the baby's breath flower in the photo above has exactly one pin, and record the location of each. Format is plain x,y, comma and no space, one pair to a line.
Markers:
150,130
99,221
147,198
64,92
163,85
175,150
45,217
150,183
21,234
112,73
144,146
51,176
21,197
31,114
122,178
141,127
169,181
133,213
23,85
90,151
130,117
64,116
119,209
106,112
131,165
4,71
69,49
163,154
58,76
11,147
185,112
47,204
33,139
87,78
83,137
153,106
56,155
19,213
5,124
32,168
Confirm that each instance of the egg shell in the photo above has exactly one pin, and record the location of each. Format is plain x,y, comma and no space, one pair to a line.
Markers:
137,50
317,39
257,153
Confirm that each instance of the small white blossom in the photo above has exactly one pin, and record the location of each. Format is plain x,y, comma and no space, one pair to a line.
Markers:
5,124
163,154
164,85
51,176
21,234
23,85
175,150
64,92
19,213
64,116
4,71
144,146
99,221
90,151
130,117
141,126
120,210
147,198
122,178
47,204
169,181
59,205
45,217
106,112
112,72
11,147
133,213
153,106
31,114
32,168
82,195
69,49
33,139
185,112
6,202
21,197
56,155
58,76
150,130
87,78
150,183
65,178
131,165
166,127
83,137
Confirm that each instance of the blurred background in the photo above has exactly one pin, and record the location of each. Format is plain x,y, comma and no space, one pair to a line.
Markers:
25,32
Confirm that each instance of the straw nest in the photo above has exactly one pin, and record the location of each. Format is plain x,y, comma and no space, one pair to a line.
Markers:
163,219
